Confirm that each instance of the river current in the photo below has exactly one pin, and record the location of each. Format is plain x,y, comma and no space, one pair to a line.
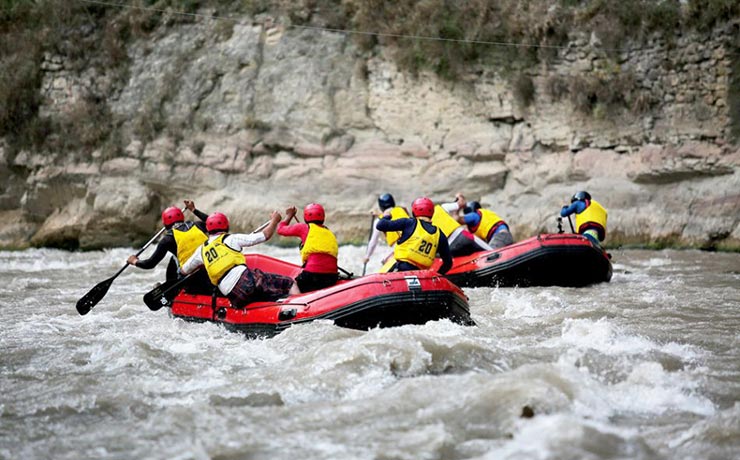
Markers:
644,367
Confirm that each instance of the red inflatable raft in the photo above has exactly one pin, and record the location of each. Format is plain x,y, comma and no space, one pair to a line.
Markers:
376,300
562,259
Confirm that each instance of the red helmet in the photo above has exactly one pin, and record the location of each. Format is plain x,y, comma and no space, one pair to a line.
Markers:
314,213
171,216
217,222
422,207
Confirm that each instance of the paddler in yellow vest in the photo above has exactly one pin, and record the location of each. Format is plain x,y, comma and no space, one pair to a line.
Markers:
462,241
487,225
420,240
226,267
319,248
388,209
590,216
180,239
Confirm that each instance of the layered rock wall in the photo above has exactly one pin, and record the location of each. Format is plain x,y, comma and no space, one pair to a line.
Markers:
263,116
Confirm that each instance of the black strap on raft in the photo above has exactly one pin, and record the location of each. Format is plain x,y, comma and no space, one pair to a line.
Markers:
214,305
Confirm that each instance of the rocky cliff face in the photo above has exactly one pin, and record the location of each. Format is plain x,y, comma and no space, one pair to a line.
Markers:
260,117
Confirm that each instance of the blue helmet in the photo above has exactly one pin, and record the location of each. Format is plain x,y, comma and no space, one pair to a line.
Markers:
472,206
386,201
580,196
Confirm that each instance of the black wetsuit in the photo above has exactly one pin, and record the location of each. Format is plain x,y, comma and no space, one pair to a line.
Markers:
407,227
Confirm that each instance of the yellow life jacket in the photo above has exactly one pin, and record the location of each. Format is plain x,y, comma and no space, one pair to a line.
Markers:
387,265
444,221
593,217
219,259
187,241
488,221
396,213
320,240
420,249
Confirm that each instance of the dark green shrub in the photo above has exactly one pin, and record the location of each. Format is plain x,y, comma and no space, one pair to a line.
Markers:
603,93
20,80
734,101
663,16
524,90
557,87
704,14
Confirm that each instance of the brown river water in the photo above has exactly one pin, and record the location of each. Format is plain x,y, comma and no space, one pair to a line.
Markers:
644,367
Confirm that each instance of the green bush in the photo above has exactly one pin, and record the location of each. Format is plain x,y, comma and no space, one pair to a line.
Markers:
704,14
20,79
600,94
524,90
734,101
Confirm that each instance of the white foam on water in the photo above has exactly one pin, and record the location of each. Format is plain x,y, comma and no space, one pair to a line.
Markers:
606,337
566,436
723,425
651,389
656,262
123,375
529,305
648,388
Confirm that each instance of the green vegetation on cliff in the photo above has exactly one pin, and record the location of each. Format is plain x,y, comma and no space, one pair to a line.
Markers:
450,37
513,33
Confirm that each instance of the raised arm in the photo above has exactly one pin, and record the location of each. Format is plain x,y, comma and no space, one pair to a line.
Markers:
270,229
373,243
577,207
387,225
199,214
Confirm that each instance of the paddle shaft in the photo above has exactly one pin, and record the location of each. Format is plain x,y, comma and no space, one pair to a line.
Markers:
96,294
369,238
262,227
573,230
143,248
350,275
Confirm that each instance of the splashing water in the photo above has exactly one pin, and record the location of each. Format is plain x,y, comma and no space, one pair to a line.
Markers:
646,366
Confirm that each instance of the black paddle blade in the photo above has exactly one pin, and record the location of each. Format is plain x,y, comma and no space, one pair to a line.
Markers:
89,300
163,294
155,299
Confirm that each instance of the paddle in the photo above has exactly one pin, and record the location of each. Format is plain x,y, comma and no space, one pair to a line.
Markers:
96,294
369,237
350,275
164,294
572,230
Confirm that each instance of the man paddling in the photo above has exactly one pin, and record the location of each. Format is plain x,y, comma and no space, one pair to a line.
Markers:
181,238
388,209
226,267
420,240
319,248
484,223
590,216
461,240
